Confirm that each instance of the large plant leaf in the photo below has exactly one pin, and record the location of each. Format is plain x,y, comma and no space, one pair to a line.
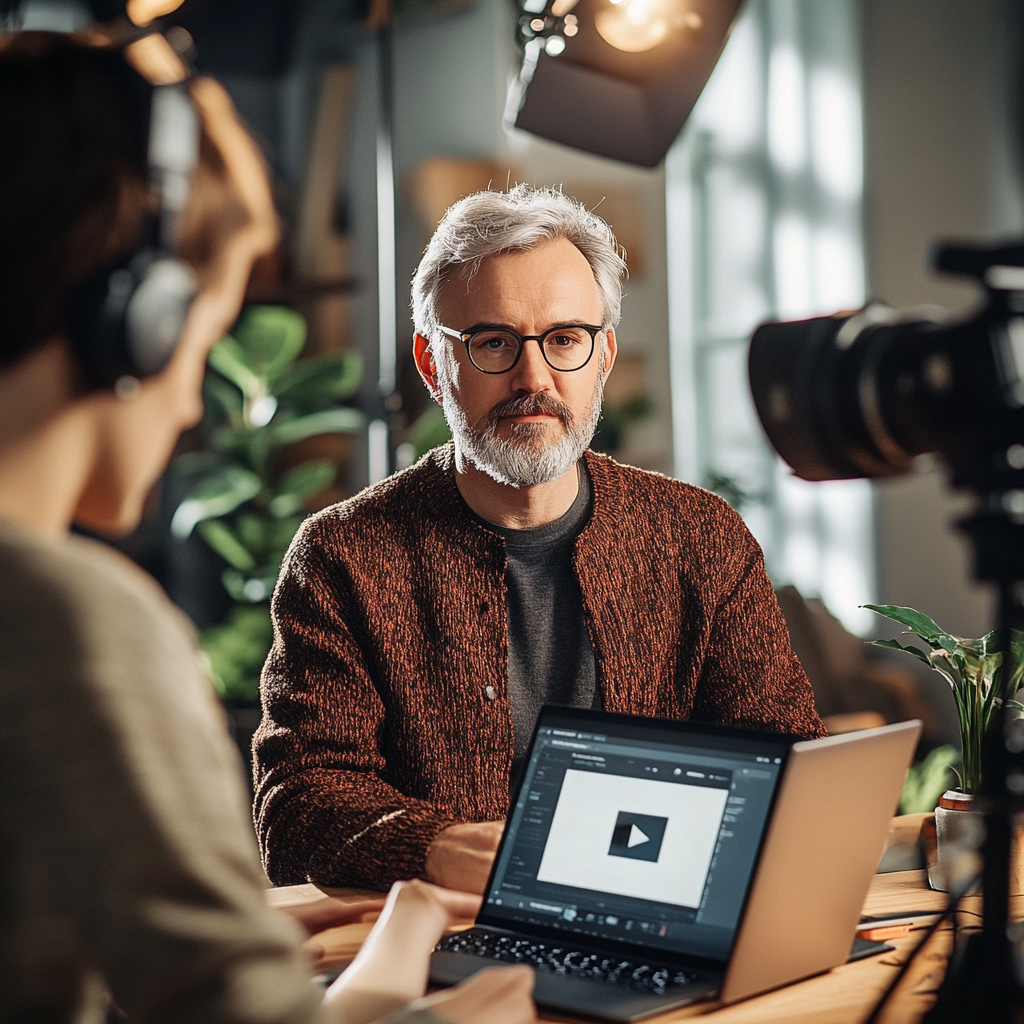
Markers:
330,378
222,539
895,645
218,495
248,587
918,623
995,645
952,670
236,651
927,781
330,421
429,430
228,358
248,446
301,483
253,528
196,464
221,397
271,338
283,531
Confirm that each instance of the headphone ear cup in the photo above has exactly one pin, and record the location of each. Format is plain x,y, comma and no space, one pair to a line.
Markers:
156,313
126,321
96,325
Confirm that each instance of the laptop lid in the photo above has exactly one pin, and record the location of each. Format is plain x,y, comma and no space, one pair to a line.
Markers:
636,834
825,839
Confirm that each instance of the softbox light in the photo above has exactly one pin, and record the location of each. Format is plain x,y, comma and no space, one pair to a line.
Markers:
602,99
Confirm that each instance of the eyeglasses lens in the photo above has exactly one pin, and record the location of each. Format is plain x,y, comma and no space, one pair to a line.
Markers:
566,348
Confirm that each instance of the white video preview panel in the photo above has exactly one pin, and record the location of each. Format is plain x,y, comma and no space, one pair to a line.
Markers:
634,837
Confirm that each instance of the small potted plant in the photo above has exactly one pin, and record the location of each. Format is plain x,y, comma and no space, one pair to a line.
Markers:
981,684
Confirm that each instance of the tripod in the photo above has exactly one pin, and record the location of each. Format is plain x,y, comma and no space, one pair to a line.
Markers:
985,981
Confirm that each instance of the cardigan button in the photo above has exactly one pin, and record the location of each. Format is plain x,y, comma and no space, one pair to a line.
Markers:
485,606
490,692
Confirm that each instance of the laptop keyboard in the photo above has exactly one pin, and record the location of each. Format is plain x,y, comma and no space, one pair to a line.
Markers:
559,958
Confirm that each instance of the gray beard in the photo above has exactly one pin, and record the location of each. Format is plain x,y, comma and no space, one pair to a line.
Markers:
523,459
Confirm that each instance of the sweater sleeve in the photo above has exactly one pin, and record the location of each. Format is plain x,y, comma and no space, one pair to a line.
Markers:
751,677
326,809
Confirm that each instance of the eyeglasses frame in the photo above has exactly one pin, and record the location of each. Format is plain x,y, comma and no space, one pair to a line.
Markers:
467,336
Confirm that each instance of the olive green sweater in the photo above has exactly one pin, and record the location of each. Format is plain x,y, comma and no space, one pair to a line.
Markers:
386,711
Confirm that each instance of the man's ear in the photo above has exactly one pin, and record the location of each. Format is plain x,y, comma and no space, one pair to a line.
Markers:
426,366
611,348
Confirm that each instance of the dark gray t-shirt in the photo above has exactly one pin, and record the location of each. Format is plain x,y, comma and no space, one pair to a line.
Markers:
550,658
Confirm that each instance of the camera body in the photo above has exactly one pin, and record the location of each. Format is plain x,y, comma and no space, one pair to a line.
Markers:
860,395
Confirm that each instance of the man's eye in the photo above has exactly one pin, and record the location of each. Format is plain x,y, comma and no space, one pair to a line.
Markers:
563,340
492,342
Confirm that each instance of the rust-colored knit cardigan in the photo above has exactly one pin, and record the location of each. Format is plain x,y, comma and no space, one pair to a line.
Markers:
386,712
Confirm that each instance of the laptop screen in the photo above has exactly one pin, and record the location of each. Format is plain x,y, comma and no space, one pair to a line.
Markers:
637,831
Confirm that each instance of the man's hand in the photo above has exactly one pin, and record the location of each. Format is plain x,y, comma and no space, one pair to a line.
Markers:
460,857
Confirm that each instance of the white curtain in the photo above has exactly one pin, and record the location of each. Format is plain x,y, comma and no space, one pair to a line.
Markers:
764,195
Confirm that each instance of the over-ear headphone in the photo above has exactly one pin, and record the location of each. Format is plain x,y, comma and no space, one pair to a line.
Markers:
125,321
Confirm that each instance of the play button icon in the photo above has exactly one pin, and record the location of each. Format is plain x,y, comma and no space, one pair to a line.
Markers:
637,836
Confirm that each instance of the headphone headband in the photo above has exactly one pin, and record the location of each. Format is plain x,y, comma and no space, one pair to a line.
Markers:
173,154
127,319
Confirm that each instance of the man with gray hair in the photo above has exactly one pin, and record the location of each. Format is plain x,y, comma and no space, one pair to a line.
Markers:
420,625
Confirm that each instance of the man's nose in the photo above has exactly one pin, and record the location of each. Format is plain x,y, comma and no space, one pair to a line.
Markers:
531,374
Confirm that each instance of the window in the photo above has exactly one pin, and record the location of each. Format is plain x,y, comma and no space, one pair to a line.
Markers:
764,193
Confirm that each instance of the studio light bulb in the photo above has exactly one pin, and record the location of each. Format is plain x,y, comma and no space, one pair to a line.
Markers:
638,25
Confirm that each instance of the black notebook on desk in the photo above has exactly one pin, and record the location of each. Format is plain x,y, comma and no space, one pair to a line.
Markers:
637,849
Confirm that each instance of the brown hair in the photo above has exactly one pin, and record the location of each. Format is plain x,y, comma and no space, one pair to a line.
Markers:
74,194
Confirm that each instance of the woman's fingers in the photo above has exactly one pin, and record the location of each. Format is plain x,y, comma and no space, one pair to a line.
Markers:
460,906
494,994
330,913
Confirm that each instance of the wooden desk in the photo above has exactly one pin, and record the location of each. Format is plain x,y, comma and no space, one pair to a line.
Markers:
842,996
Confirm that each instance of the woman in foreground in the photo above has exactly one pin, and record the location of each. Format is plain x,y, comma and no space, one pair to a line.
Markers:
129,868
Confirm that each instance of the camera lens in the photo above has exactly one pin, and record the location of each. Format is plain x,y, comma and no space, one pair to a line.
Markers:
854,396
844,397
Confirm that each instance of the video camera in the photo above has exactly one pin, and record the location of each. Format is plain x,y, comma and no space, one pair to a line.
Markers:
863,394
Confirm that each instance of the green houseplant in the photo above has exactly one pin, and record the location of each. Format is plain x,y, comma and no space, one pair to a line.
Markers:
976,673
244,497
984,675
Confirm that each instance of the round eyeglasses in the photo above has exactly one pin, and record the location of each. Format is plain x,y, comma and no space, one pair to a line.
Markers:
565,348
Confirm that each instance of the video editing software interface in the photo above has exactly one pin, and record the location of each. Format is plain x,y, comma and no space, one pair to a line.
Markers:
622,835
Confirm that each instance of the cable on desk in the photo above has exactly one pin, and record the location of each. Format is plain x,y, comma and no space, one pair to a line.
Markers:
954,902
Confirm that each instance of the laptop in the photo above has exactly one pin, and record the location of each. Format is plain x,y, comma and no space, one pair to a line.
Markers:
647,864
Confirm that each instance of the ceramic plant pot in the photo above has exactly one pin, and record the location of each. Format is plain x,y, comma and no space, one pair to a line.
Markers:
959,829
